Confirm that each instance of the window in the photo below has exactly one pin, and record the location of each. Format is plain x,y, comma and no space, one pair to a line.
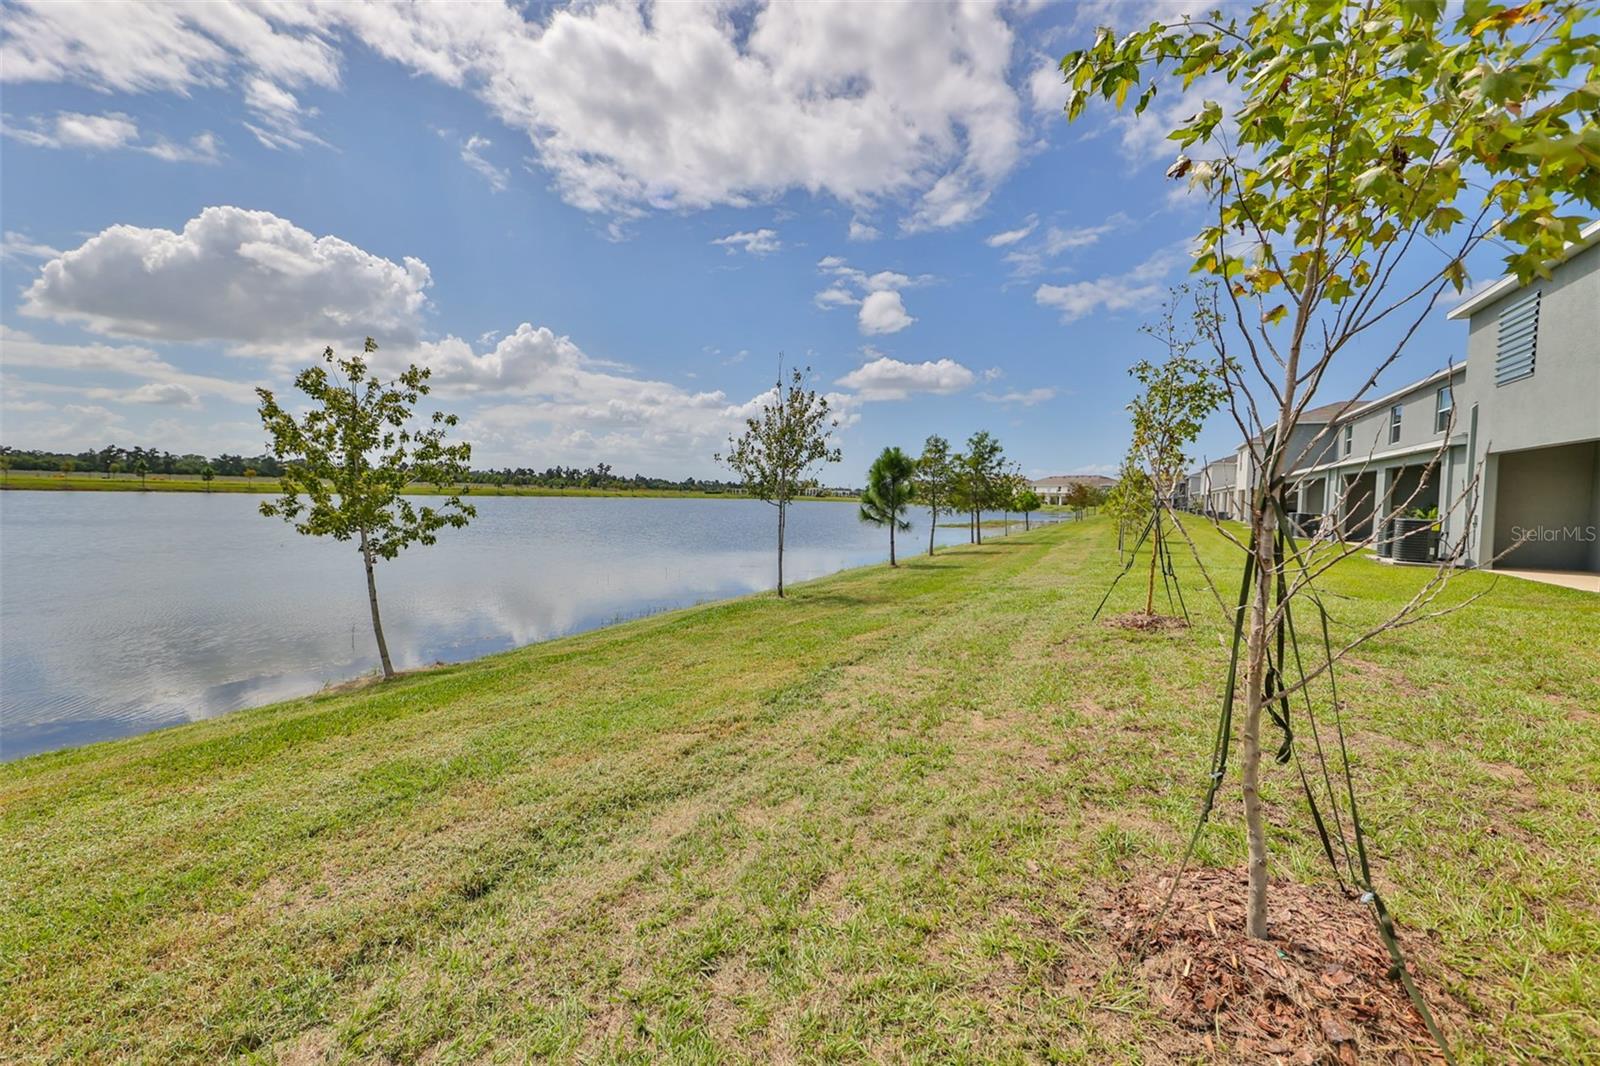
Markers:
1443,405
1349,437
1518,340
1394,423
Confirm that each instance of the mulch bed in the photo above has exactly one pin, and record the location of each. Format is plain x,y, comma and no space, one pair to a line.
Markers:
1146,623
1317,992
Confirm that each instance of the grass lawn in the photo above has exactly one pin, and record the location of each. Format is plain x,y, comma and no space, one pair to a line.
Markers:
867,822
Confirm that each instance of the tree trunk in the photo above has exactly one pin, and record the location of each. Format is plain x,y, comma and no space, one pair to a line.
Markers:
782,514
372,601
891,542
977,524
1155,552
933,525
1260,638
1027,521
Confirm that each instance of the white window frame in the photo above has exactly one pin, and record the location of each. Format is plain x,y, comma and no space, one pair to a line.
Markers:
1396,417
1444,405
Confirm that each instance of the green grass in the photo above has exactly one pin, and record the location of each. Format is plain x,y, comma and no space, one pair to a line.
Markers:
864,823
44,481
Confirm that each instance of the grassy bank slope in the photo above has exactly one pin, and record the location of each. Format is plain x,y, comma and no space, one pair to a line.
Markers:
866,822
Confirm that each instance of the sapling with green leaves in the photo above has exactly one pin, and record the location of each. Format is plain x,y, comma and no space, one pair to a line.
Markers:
891,486
348,459
1179,394
1027,502
776,452
935,481
1374,148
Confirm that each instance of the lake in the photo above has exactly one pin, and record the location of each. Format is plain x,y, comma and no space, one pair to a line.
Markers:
124,612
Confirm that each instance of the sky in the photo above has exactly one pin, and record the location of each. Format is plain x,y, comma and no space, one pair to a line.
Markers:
601,226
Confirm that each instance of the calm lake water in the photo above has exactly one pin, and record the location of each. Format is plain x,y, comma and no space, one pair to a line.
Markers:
124,612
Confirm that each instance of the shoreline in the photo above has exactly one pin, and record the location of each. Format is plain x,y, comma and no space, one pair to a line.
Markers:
263,486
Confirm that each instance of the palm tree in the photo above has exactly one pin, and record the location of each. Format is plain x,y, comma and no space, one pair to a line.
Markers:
889,489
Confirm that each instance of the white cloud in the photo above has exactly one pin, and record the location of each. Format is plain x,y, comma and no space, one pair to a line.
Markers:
1024,398
1035,258
170,394
21,350
883,312
891,379
882,309
1009,237
1137,288
18,247
471,155
701,105
861,231
835,296
113,131
247,278
546,397
755,242
1047,88
278,116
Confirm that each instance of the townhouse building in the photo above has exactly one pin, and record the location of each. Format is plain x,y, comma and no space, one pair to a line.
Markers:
1504,446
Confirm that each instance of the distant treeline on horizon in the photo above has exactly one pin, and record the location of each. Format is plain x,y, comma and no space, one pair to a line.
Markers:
115,460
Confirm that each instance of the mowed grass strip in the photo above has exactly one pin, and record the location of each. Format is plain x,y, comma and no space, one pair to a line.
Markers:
867,822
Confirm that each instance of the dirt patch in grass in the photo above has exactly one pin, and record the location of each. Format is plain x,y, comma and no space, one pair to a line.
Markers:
1146,623
1317,992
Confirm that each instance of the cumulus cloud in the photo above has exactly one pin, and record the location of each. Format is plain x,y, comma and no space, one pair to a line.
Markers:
883,311
890,379
246,278
703,104
113,131
861,231
755,242
1138,287
543,395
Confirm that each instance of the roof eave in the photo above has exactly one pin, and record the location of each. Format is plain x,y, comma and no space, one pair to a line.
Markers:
1587,237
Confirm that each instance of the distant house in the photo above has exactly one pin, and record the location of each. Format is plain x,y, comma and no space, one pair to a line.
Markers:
1053,490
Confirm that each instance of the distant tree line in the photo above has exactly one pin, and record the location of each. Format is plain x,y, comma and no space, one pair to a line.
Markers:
114,460
599,476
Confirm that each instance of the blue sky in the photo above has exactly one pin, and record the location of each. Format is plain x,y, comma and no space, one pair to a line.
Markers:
599,226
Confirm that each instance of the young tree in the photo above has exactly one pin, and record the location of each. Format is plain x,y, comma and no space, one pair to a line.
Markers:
5,472
935,481
1375,148
1179,394
250,476
1027,502
142,468
349,459
775,453
1075,498
1129,501
207,474
980,467
890,487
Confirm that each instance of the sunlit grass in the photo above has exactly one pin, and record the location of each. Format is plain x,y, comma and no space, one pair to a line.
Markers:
867,822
